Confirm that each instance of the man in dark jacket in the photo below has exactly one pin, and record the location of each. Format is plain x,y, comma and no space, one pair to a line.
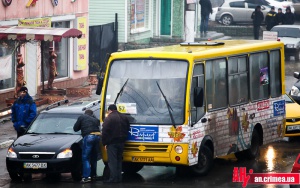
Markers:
257,17
289,17
89,126
271,18
206,9
23,111
114,134
279,17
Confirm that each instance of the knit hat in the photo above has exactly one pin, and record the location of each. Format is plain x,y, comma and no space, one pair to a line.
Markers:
23,89
112,107
272,7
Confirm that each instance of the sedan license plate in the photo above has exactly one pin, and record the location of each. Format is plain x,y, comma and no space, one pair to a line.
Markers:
295,127
35,165
143,159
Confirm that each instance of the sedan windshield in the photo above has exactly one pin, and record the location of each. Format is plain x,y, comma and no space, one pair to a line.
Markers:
141,98
48,123
287,32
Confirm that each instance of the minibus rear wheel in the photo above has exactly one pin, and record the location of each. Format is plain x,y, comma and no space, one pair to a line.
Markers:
205,162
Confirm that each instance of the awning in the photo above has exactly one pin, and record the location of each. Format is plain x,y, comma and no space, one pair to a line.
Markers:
37,33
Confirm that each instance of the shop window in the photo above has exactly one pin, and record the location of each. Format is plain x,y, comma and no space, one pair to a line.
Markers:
139,15
61,50
7,63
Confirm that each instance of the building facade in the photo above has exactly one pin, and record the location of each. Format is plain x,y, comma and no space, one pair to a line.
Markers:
72,53
140,20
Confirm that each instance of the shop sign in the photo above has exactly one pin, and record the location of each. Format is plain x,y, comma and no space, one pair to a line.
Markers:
39,22
54,2
6,2
80,62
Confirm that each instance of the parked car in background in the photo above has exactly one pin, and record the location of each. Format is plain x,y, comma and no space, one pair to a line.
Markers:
50,144
237,11
276,3
292,127
290,36
295,91
296,5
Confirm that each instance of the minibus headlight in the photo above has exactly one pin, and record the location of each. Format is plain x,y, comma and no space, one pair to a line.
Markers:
11,153
178,149
295,91
67,153
290,46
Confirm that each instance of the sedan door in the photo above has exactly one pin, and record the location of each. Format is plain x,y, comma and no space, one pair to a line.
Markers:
238,11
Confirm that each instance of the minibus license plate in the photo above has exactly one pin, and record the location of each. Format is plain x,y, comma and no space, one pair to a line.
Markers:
35,165
295,127
143,159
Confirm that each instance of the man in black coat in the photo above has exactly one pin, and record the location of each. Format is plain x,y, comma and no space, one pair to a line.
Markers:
257,17
289,17
279,17
114,134
206,9
271,18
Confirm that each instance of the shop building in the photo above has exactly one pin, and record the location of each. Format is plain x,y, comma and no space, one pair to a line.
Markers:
34,44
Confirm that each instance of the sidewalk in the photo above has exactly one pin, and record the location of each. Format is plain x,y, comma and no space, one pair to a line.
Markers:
8,133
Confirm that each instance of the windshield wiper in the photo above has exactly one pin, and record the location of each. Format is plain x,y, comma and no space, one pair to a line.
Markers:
58,133
168,105
121,91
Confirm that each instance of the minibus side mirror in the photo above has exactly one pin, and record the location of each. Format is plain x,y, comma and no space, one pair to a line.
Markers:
99,86
198,97
297,75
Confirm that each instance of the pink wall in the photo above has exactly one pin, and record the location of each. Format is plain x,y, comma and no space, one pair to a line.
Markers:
43,8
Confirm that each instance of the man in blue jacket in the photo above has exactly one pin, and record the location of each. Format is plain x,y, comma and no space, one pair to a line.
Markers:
23,111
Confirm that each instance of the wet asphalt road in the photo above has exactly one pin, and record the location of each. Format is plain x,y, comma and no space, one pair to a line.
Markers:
275,157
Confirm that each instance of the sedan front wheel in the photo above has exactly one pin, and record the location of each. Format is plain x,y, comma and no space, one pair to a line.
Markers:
226,19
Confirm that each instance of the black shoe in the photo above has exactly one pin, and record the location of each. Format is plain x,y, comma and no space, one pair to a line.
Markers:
85,180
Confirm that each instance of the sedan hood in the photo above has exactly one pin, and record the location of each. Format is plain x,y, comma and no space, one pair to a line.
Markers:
292,110
289,40
45,142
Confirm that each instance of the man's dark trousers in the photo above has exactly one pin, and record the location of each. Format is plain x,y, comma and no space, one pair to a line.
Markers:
114,154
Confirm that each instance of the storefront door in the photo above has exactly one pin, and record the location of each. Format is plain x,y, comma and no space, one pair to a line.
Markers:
165,17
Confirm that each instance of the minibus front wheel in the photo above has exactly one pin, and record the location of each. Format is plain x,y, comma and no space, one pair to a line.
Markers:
131,168
205,162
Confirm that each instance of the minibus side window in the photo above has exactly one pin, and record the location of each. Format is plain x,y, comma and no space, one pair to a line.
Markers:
275,79
237,80
259,76
197,82
216,84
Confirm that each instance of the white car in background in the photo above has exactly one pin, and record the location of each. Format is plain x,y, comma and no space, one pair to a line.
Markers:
276,3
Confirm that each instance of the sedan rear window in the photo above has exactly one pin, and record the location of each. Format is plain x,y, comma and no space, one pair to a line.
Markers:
54,124
287,32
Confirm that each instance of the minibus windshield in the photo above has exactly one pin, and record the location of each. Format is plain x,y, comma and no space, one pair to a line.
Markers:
140,97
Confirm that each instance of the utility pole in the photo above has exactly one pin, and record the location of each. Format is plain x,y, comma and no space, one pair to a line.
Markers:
189,22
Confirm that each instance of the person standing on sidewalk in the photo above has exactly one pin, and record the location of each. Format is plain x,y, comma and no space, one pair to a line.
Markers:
90,131
271,19
288,17
257,17
279,17
114,134
23,111
206,9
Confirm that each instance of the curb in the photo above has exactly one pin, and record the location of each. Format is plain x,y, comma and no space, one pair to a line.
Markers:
6,144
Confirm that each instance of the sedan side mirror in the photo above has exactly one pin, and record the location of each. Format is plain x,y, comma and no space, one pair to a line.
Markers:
297,75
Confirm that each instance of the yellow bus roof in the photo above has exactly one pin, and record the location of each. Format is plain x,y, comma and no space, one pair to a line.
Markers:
230,47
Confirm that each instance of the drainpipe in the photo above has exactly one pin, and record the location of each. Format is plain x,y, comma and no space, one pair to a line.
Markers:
189,28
